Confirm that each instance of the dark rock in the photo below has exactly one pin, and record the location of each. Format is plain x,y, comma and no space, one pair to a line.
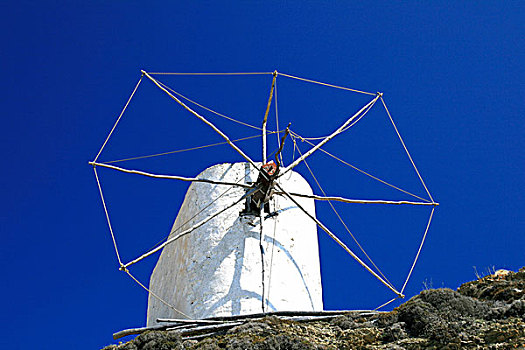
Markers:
187,344
430,314
417,315
208,344
497,312
278,342
387,319
344,322
394,332
488,313
452,305
506,288
516,309
128,346
155,340
252,327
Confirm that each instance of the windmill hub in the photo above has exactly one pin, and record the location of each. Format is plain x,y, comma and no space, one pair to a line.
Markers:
263,190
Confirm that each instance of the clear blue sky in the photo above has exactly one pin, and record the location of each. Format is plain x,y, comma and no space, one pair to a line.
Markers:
452,76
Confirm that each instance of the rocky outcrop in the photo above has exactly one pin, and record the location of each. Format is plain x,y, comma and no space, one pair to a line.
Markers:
488,313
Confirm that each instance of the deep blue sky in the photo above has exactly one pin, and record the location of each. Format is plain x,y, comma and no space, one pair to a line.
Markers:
452,76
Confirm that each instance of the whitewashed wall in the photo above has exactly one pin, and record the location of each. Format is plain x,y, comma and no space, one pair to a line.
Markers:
216,269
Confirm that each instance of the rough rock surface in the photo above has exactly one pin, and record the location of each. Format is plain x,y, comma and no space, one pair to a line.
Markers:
488,313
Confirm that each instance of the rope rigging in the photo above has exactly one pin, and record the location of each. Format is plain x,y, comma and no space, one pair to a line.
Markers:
266,182
211,74
343,130
206,108
183,150
360,170
344,224
326,84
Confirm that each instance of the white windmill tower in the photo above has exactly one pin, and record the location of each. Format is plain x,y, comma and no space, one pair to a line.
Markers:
245,238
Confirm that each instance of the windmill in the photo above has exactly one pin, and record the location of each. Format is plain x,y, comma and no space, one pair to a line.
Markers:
245,238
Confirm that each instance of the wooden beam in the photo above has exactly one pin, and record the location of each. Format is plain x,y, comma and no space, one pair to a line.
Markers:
169,177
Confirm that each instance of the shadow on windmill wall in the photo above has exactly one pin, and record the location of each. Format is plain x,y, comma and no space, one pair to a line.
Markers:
216,270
